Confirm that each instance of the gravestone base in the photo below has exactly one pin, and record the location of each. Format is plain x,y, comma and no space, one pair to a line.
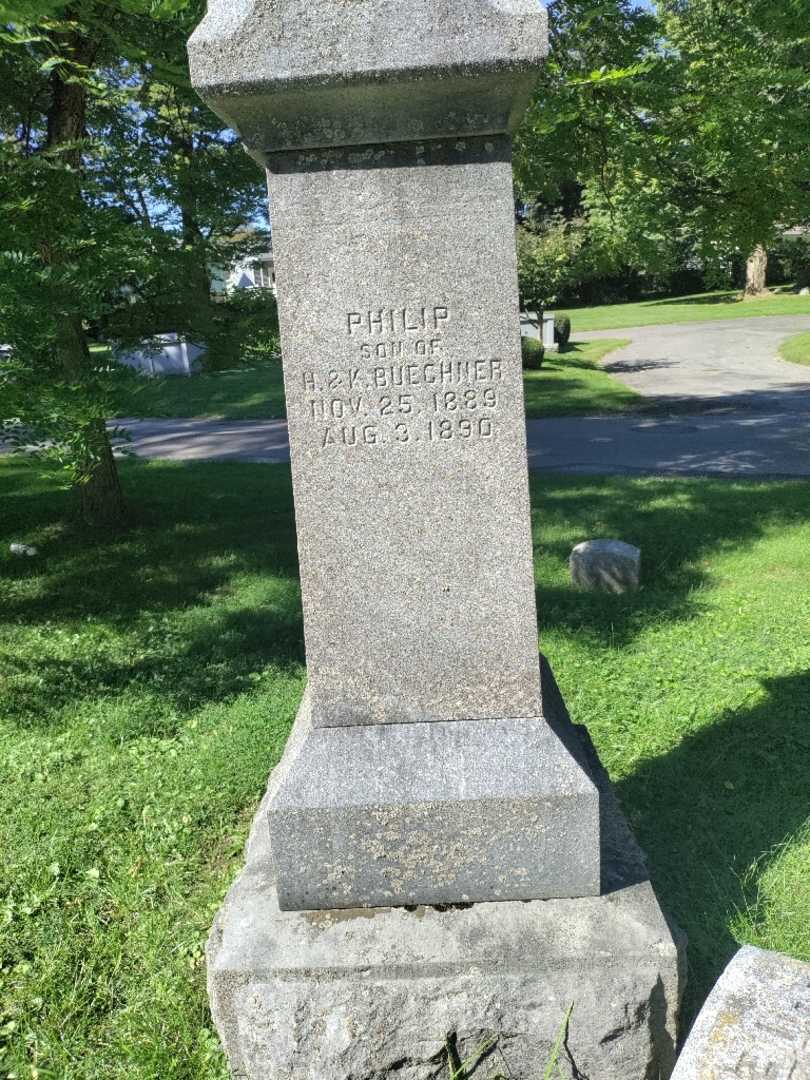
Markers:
399,814
371,993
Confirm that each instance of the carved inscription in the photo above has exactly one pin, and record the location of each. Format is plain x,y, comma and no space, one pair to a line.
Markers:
400,384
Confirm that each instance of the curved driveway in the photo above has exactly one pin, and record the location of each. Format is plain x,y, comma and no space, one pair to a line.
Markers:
722,402
733,362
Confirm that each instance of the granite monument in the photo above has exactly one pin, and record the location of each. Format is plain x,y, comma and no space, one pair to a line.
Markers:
429,764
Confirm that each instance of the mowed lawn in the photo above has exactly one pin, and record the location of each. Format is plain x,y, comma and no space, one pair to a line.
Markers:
243,394
572,383
149,681
796,350
700,307
568,383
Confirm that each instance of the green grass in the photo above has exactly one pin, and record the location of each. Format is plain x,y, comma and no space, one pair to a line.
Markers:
572,383
244,394
568,383
701,307
149,680
796,350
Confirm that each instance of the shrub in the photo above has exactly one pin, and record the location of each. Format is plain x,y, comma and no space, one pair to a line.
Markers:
532,351
562,330
243,330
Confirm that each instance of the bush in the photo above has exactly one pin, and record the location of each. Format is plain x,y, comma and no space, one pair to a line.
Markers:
562,330
533,352
243,330
547,252
793,254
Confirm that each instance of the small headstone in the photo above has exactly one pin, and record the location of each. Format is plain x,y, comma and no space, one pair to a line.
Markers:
530,325
549,342
755,1023
610,565
164,354
804,291
23,550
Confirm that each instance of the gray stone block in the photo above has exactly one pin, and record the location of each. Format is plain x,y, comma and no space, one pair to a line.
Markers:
432,813
293,74
610,565
372,993
755,1024
407,433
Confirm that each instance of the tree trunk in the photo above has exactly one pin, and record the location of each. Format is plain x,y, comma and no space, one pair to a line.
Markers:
102,501
756,267
99,487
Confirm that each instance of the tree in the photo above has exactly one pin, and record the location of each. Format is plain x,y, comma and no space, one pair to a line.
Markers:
546,257
684,135
110,175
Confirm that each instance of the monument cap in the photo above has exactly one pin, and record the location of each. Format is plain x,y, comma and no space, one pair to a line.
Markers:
300,74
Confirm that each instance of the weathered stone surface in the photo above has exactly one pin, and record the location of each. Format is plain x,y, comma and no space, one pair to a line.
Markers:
611,565
294,74
397,814
372,993
755,1024
399,320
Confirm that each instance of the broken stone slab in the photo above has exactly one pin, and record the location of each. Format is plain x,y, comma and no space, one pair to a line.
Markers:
373,992
610,565
755,1024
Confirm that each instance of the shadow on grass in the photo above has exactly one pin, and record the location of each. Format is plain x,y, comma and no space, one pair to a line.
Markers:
678,523
186,608
705,811
703,300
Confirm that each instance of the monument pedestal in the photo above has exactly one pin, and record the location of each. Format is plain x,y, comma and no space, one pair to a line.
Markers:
399,814
374,992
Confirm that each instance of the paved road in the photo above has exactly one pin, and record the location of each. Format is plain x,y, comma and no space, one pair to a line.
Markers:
724,442
732,361
724,404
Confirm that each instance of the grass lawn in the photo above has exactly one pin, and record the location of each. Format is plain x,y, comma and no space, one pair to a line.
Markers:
568,383
149,681
796,350
681,309
572,384
245,394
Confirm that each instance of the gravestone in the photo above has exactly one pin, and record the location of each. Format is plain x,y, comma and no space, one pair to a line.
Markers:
424,767
549,341
755,1024
611,565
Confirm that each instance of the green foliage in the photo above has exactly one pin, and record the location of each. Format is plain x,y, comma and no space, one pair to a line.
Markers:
117,189
532,352
546,261
682,137
244,330
794,254
562,330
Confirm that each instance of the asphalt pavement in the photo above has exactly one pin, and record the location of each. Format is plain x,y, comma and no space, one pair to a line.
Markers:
719,401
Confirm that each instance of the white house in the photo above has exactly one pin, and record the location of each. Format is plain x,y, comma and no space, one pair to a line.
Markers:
253,272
